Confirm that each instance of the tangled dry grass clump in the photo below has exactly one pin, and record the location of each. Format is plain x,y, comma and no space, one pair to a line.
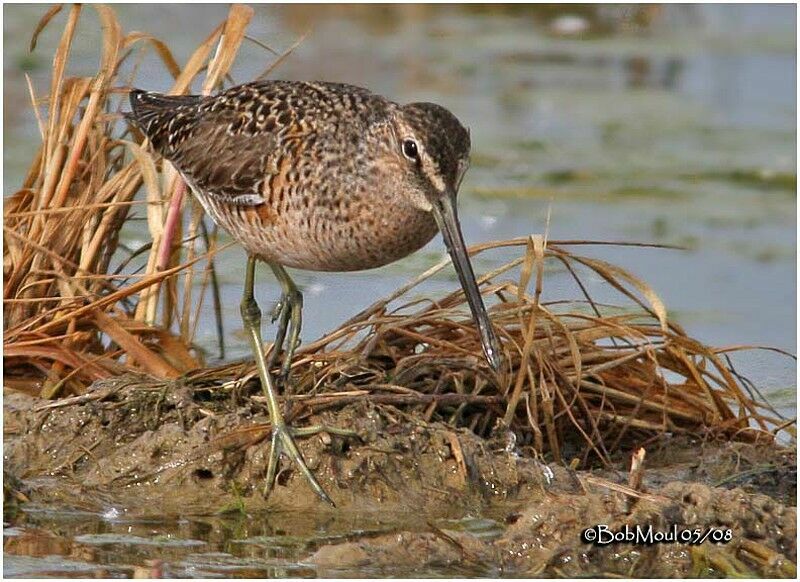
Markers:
62,227
75,311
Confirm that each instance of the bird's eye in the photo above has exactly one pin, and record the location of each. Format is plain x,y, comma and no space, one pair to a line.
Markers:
410,149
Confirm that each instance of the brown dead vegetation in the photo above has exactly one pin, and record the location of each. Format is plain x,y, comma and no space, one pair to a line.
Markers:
596,376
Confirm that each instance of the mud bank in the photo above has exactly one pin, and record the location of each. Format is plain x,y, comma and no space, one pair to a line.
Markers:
150,450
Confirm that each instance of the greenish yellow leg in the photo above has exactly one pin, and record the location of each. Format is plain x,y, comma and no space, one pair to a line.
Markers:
281,315
281,433
318,428
291,316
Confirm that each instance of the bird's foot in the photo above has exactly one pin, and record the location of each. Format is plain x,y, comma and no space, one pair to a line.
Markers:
284,377
283,442
277,310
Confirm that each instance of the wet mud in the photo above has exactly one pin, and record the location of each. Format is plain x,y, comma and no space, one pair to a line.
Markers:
412,497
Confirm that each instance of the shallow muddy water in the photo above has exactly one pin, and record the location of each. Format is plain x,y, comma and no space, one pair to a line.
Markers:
65,544
676,126
165,497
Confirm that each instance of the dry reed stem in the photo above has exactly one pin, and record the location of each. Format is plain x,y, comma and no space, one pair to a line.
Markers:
61,229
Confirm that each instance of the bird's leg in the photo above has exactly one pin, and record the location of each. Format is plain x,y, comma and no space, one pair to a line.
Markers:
281,314
277,311
291,316
281,432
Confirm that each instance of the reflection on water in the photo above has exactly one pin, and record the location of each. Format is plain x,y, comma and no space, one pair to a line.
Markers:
60,544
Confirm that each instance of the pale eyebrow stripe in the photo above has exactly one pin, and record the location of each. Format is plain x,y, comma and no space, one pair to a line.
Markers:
433,174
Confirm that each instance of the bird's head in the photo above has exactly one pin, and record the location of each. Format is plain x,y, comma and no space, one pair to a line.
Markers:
433,148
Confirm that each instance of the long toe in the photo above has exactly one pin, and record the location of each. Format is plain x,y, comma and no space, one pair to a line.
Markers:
283,434
272,464
318,428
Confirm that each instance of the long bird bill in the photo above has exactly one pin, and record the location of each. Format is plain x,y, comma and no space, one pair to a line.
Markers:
444,209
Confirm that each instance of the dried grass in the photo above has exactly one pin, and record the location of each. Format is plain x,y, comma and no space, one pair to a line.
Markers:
575,381
579,378
61,229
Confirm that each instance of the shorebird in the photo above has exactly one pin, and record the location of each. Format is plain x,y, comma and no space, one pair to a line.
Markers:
318,176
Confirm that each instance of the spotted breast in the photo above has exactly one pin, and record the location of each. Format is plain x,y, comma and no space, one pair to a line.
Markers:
307,175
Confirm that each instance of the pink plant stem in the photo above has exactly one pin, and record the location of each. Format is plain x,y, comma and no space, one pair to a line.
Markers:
170,226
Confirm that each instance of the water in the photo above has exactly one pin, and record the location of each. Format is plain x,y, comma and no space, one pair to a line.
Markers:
678,131
81,544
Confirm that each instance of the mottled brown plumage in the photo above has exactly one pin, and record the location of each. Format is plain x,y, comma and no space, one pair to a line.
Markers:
318,176
308,175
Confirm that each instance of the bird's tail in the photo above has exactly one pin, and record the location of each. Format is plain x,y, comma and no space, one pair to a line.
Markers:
151,112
